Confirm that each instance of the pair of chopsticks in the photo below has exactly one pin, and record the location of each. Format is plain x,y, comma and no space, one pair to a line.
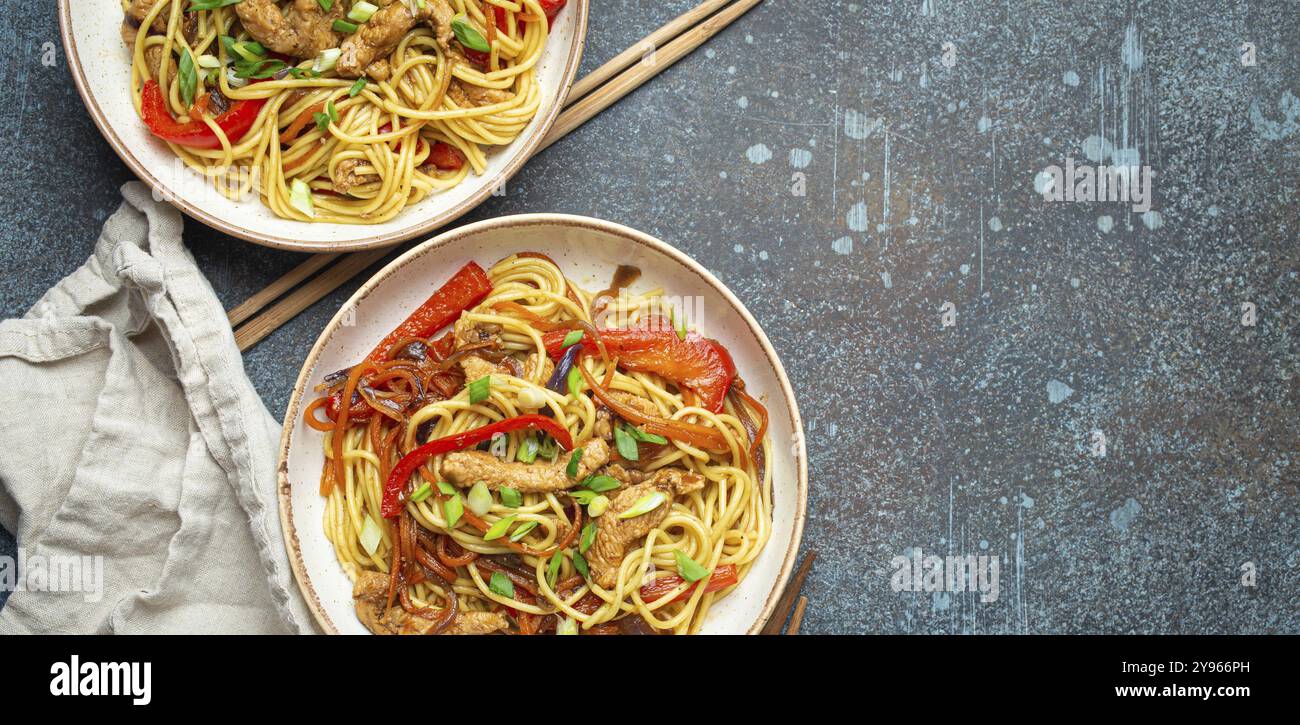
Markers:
304,285
791,599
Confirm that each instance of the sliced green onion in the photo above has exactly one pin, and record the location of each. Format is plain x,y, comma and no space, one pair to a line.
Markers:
208,61
501,585
453,508
497,530
588,538
573,338
187,77
626,443
644,437
574,461
447,488
549,449
198,5
343,26
644,505
300,198
532,398
522,530
371,535
598,506
580,564
575,381
361,12
688,569
553,569
326,4
479,499
568,626
468,35
326,61
249,50
527,450
680,327
600,484
423,492
357,87
480,389
510,497
583,496
331,115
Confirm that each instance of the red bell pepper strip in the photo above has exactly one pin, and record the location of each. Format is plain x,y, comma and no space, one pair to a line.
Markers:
465,289
699,363
394,487
723,577
446,157
235,122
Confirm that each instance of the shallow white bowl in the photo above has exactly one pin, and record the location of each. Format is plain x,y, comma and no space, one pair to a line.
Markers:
101,67
588,250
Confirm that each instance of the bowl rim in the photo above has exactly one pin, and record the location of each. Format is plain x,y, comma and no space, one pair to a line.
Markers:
526,152
292,411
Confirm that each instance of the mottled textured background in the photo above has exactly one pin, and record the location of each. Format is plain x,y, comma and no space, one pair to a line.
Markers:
847,173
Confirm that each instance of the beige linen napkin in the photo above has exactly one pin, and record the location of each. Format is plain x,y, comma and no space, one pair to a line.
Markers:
133,440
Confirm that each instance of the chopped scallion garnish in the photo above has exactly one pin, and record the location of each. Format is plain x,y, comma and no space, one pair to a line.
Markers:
598,506
573,338
468,35
644,437
583,496
588,538
522,530
446,488
510,497
575,381
497,530
501,585
479,499
567,626
575,460
644,505
371,535
601,483
553,569
452,508
626,443
480,389
580,564
361,12
423,492
300,197
688,569
187,77
343,26
528,450
357,87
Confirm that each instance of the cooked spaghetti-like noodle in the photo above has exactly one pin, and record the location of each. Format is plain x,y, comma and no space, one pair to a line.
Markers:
720,526
418,120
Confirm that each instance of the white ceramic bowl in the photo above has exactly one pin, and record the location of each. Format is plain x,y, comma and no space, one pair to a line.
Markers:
101,67
588,250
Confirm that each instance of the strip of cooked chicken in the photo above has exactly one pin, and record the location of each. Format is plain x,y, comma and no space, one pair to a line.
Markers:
302,31
465,468
613,534
371,595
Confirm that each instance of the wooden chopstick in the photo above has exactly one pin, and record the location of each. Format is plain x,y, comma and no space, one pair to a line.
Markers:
642,48
587,98
597,101
272,292
796,619
305,296
788,597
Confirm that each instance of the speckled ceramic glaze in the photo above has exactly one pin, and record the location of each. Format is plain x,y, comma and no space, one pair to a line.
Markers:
588,250
101,67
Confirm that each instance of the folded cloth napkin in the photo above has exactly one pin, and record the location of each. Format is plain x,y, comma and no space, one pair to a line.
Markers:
134,442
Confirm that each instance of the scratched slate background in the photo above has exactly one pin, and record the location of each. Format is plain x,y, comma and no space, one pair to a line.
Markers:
918,163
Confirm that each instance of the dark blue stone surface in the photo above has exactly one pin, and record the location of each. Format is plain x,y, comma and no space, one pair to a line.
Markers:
854,171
